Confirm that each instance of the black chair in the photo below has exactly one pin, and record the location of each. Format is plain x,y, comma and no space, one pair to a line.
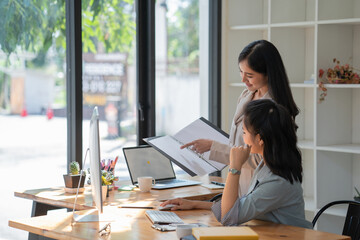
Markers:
216,197
352,219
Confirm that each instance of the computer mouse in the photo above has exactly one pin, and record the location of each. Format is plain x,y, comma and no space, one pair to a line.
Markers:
166,207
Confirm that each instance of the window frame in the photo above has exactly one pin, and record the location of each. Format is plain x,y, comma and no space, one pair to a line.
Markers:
145,69
74,97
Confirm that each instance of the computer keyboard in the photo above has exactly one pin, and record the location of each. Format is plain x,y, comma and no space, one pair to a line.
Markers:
162,217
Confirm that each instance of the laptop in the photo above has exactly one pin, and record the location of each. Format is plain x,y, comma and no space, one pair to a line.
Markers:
146,161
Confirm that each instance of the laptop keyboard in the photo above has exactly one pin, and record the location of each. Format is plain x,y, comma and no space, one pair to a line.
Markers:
171,181
163,217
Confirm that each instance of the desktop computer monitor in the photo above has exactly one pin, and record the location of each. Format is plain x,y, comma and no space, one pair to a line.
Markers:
95,168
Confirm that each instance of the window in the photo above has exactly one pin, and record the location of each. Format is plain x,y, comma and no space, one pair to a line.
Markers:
181,75
33,142
35,89
181,43
109,78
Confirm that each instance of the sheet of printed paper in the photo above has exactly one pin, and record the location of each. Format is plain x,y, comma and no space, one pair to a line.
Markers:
202,130
184,158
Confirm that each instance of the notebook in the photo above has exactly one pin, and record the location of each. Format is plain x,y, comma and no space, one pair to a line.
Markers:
146,161
212,233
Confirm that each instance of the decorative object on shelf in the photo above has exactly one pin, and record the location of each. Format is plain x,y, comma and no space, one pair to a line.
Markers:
323,93
340,74
311,80
72,179
357,197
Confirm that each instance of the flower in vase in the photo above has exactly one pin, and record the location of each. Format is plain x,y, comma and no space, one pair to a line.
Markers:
339,74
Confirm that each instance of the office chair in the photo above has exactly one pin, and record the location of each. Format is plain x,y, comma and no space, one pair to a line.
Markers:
352,219
215,198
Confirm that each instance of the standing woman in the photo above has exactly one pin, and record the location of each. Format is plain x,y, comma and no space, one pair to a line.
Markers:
263,72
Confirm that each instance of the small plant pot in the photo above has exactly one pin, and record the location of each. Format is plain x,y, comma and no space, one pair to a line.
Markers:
104,192
72,181
357,199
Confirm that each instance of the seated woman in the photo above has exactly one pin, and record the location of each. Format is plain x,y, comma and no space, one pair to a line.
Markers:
275,192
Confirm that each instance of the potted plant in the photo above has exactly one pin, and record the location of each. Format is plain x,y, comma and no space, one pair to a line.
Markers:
357,197
72,179
339,74
107,179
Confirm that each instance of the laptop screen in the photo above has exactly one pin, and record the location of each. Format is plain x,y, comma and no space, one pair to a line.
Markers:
146,161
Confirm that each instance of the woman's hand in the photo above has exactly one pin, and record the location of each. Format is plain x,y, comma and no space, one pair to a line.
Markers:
199,145
238,156
183,204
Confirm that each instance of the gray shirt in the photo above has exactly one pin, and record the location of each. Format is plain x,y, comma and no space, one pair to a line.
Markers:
270,198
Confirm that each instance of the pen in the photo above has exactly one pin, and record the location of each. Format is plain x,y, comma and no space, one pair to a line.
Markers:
218,183
142,207
102,164
115,161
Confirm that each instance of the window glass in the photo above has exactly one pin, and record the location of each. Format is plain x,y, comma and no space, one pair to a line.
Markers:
179,81
109,79
33,121
181,64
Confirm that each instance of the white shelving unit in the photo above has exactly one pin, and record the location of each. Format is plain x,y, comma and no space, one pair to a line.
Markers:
308,35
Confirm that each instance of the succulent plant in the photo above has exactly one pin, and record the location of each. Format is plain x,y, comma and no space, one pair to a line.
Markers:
74,168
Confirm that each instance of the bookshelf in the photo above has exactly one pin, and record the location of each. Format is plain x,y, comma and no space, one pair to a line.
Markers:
308,35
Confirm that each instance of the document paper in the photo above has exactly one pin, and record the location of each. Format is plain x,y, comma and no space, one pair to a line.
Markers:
190,161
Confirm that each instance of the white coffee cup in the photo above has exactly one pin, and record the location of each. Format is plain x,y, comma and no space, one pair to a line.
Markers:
183,230
145,183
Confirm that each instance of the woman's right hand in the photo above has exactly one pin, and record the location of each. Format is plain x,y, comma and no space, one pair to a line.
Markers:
184,204
199,145
180,204
238,156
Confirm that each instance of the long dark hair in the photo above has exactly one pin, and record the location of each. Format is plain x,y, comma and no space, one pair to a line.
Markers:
263,57
276,128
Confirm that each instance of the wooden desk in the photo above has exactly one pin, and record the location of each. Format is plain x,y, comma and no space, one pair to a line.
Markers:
133,224
53,198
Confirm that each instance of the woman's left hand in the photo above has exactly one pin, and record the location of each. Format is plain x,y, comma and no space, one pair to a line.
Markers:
238,156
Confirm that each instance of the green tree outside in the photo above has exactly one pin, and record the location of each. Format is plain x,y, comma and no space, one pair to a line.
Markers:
35,26
183,37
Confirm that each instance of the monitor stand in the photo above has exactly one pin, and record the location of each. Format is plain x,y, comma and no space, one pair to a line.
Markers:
93,215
